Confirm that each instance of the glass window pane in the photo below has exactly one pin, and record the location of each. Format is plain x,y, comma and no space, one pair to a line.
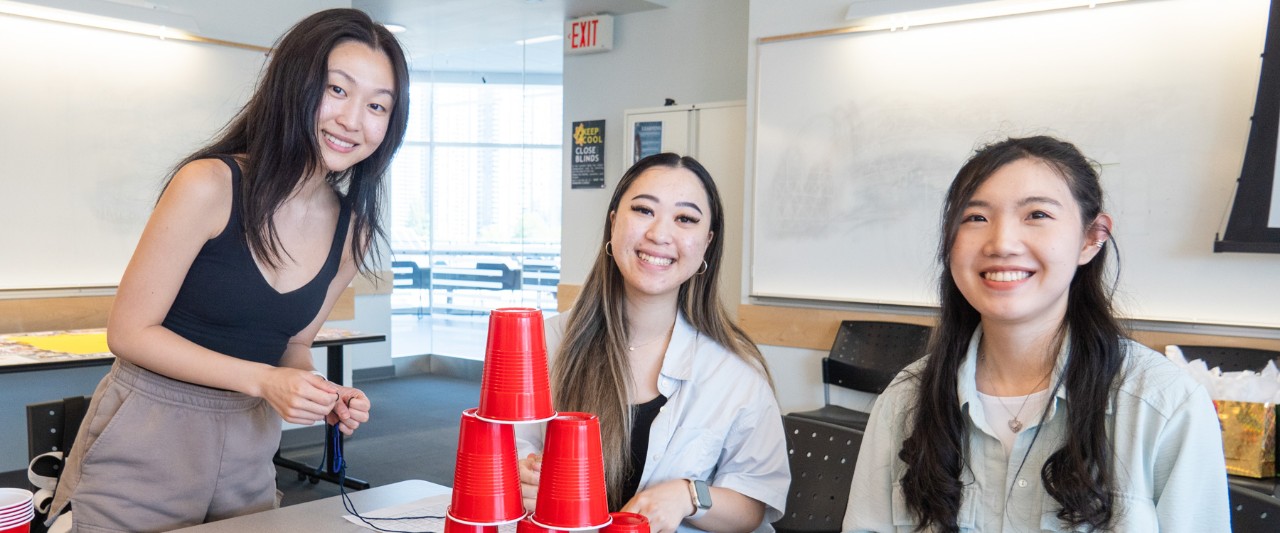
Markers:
410,199
476,196
419,127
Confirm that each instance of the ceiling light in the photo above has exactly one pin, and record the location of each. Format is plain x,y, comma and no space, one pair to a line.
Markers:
871,15
395,28
135,18
139,22
543,39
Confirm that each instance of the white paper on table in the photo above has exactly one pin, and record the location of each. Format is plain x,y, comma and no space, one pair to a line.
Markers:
430,506
14,360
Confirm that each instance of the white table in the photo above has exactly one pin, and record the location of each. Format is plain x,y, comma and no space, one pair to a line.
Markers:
324,516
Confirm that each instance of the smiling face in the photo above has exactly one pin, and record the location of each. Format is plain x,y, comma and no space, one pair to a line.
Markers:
358,99
660,231
1018,244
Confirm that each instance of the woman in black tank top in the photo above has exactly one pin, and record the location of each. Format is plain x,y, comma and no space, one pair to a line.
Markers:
252,241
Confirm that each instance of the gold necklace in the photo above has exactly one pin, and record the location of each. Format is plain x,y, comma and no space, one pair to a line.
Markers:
1014,423
632,347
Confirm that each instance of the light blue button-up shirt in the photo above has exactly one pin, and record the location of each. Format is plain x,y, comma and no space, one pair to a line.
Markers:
721,423
1170,472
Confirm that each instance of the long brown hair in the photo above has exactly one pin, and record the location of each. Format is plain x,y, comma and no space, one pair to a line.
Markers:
591,371
276,132
1080,475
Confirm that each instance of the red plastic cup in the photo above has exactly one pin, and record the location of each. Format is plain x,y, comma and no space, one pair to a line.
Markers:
515,386
16,510
527,526
12,499
454,526
24,527
486,478
14,514
627,523
571,492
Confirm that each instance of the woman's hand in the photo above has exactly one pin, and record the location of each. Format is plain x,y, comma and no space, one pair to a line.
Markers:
530,474
298,395
351,410
665,505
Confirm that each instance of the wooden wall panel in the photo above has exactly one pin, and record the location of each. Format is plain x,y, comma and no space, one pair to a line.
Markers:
815,329
566,294
18,315
44,314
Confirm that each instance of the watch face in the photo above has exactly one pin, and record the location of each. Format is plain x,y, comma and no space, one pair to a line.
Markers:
704,494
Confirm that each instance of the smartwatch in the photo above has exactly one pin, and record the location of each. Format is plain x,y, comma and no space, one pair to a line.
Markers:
701,496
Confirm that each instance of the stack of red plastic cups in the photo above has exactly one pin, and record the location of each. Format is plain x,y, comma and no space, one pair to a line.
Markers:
16,510
515,389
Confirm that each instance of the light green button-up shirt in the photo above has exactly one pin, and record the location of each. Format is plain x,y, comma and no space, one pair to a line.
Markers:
1170,474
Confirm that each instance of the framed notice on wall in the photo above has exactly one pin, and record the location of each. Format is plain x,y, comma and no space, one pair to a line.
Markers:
648,139
587,168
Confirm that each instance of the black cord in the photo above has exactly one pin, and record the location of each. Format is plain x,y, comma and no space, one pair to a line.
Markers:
339,466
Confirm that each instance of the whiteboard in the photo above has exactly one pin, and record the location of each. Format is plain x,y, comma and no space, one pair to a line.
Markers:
858,136
93,121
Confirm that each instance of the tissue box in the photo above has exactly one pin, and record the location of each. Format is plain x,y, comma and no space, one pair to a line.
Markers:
1248,437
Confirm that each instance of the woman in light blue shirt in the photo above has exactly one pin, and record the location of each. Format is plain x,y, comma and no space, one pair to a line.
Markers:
1033,411
690,428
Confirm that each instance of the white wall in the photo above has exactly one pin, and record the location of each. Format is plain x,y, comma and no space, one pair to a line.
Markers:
95,119
694,52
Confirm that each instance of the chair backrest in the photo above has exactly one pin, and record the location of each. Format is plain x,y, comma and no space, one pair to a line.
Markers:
409,275
822,457
866,355
1253,511
1231,359
52,426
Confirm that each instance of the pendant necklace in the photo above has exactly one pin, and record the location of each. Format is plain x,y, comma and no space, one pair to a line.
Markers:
1014,423
632,347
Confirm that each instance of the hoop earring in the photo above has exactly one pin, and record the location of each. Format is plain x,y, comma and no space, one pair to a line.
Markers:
608,248
1100,243
703,270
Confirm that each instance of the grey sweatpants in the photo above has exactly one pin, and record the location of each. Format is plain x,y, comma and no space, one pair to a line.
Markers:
155,454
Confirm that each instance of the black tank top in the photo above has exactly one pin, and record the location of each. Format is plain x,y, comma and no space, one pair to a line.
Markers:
642,416
226,305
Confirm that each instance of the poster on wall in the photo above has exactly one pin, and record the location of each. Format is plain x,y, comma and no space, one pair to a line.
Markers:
587,169
648,139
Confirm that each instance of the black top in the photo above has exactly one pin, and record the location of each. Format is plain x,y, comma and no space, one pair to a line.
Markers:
642,416
226,305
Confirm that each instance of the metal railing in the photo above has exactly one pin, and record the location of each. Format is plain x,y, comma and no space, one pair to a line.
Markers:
473,281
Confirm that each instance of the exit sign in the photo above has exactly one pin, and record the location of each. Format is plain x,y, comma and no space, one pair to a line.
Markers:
588,35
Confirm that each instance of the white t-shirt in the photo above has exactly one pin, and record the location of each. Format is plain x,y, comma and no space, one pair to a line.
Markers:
1000,410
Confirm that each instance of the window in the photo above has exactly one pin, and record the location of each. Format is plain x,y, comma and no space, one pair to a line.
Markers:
475,209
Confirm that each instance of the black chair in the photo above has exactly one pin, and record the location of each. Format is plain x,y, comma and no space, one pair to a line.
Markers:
409,275
865,356
1253,511
1231,359
822,457
52,427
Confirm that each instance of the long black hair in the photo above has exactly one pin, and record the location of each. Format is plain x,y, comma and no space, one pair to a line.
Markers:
1081,474
276,132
